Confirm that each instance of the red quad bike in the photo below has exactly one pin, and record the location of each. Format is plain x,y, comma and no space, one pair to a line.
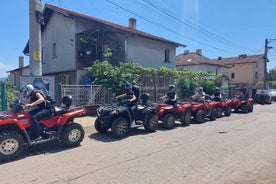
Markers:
16,133
168,114
226,107
222,107
200,111
242,105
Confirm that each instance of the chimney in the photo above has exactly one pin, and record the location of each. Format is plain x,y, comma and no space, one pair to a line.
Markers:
21,61
186,52
199,52
132,23
243,56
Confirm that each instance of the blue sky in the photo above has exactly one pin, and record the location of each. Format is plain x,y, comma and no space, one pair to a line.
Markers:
225,28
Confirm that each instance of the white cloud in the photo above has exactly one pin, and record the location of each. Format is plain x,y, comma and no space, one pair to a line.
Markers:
4,68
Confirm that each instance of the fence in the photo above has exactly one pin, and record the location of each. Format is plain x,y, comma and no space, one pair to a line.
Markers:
86,94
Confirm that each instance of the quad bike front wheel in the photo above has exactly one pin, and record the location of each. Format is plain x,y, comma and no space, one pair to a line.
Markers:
100,126
72,134
250,107
228,111
186,118
243,108
120,128
152,123
11,145
213,115
200,116
219,112
169,121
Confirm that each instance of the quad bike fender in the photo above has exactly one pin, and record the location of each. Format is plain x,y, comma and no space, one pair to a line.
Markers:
69,116
14,123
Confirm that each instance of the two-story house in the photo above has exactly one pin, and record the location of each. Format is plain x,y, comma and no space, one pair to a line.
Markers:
71,41
197,62
244,69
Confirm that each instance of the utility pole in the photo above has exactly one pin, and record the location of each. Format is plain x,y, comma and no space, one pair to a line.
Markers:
266,60
35,17
265,64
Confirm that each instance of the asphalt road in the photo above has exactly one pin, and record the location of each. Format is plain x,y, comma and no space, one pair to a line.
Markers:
240,149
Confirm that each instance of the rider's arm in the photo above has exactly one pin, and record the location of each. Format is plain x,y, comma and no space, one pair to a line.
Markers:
120,96
133,98
40,99
174,99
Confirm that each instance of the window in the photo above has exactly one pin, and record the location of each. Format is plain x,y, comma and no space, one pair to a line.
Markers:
167,55
54,50
256,75
232,75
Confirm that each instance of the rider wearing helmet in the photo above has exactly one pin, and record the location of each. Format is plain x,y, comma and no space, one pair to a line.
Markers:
36,99
171,97
131,99
217,94
199,96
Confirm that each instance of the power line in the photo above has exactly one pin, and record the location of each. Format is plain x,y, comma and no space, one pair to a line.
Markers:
165,27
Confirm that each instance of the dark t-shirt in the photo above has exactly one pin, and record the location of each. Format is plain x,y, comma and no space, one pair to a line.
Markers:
33,98
171,95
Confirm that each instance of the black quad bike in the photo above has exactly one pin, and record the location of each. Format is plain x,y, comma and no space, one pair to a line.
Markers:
118,117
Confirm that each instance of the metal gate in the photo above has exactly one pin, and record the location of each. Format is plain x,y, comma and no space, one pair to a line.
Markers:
86,94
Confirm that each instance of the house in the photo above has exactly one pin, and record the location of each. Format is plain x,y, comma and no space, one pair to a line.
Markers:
14,76
197,62
71,41
244,69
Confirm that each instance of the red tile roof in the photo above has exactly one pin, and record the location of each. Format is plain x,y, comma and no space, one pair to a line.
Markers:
240,60
49,8
194,58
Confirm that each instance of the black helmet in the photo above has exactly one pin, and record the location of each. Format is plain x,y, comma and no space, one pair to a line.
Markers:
67,100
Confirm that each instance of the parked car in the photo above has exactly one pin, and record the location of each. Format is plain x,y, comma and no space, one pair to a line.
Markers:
273,94
263,96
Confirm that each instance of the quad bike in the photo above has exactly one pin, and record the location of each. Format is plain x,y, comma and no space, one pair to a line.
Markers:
16,132
118,117
221,106
168,114
204,109
226,107
243,105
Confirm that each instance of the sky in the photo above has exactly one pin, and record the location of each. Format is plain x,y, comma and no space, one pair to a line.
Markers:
221,28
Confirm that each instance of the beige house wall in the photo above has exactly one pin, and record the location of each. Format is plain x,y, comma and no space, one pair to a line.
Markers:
249,73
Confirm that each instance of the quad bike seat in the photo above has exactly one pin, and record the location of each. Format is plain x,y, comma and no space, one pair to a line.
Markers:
145,98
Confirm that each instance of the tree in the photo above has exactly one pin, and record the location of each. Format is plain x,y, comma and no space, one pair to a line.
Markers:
272,74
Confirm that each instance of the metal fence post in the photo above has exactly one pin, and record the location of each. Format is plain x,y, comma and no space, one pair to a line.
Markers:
3,96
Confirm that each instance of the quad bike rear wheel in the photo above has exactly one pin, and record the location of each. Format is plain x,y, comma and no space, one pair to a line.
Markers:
169,121
100,126
120,128
11,145
72,134
152,124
